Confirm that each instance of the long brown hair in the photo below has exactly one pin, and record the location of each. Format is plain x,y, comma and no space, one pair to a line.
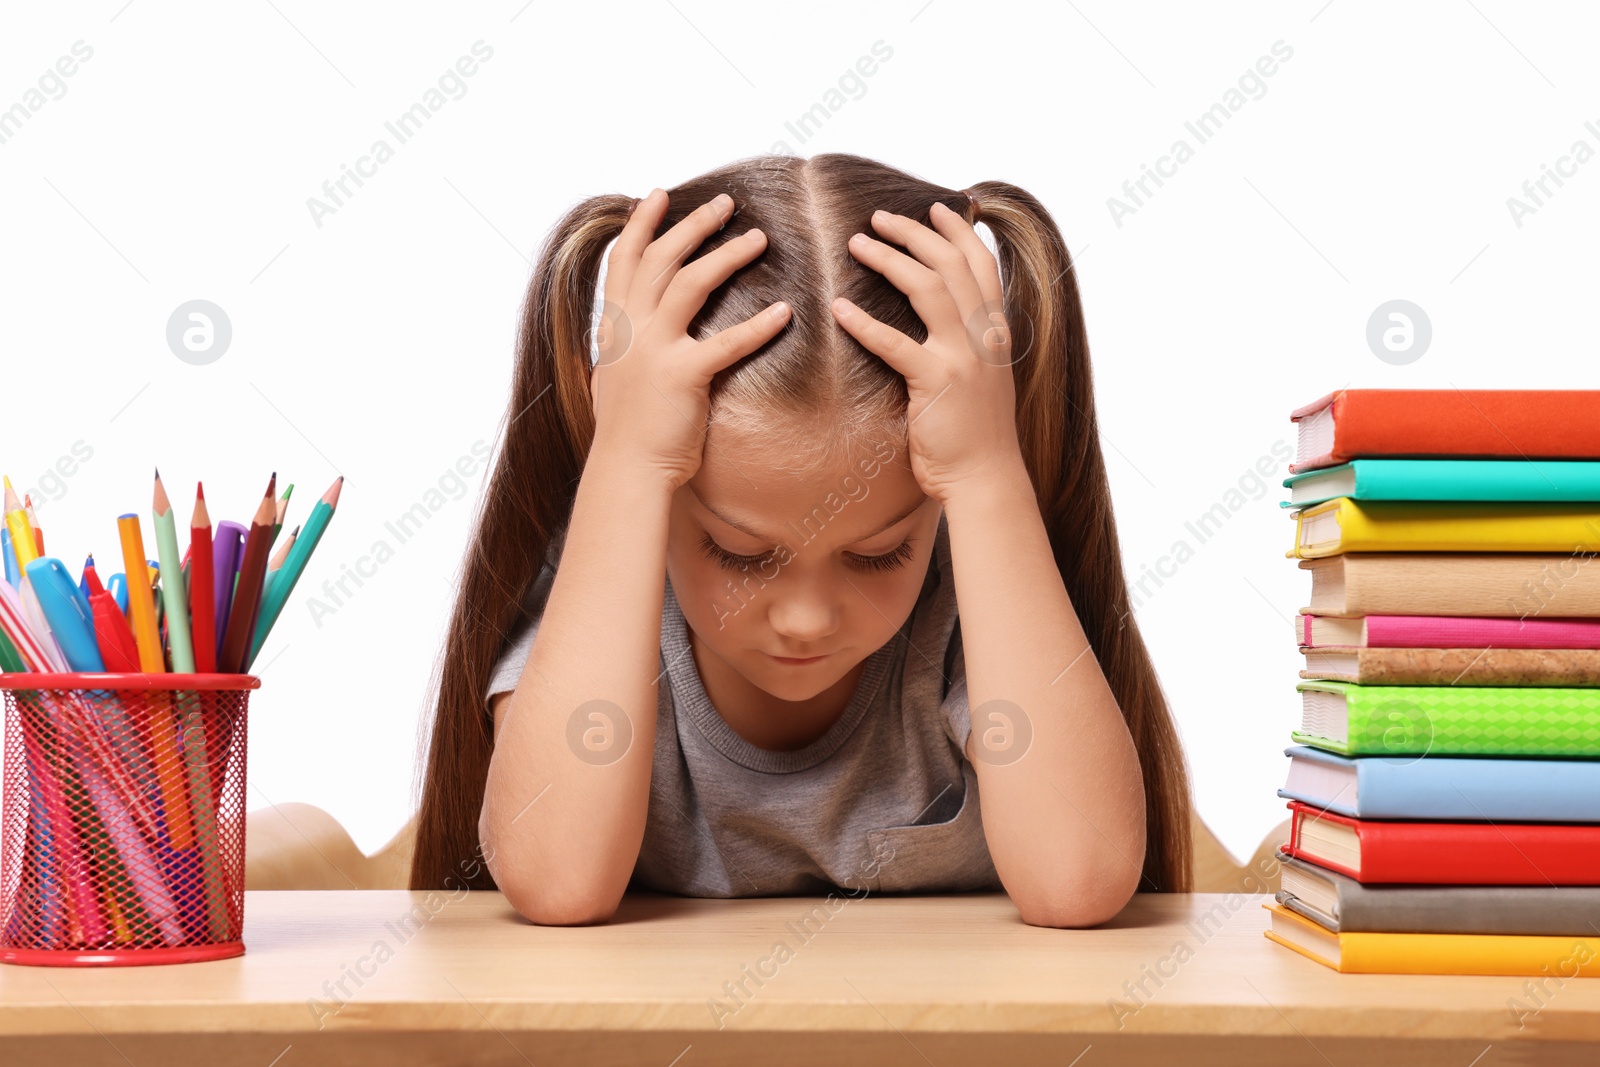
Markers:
808,209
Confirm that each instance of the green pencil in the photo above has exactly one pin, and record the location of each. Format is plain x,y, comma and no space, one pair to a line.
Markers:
277,594
172,601
283,509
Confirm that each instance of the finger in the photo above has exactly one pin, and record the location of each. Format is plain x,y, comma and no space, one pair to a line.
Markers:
931,249
626,250
686,293
726,347
886,342
930,296
980,261
662,259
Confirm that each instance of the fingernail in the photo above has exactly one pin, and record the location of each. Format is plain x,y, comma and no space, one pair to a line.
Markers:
841,308
778,310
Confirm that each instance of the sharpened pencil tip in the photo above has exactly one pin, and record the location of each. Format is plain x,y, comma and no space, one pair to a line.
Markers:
200,490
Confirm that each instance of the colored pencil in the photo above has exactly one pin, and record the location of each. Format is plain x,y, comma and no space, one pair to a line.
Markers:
294,565
33,521
189,711
247,596
172,592
23,543
163,737
201,607
282,510
283,551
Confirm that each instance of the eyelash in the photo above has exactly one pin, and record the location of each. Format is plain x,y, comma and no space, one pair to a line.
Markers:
889,561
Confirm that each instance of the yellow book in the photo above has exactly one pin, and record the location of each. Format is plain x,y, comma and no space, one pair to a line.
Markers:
1359,952
1346,525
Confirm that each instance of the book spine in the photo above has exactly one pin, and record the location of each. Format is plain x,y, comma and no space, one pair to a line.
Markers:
1464,909
1457,631
1486,954
1502,790
1479,853
1475,667
1574,481
1473,721
1440,526
1497,423
1467,584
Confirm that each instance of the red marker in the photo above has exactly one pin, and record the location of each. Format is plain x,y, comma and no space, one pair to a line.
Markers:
111,631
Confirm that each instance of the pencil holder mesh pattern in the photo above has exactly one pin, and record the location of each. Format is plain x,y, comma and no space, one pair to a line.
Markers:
122,833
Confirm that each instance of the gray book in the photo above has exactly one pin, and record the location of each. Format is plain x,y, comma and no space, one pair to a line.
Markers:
1340,903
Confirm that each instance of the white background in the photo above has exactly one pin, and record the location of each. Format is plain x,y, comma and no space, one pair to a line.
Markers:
178,162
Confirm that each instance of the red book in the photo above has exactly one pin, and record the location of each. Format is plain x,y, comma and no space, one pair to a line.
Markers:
1448,423
1446,853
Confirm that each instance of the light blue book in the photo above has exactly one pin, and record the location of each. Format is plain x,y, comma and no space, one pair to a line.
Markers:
1531,480
1493,789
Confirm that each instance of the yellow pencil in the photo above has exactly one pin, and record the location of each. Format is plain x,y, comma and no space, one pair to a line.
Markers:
16,518
163,735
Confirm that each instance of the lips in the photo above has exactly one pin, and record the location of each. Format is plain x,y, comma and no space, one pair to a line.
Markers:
800,660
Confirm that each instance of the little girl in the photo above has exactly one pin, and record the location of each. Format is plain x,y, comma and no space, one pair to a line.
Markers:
707,640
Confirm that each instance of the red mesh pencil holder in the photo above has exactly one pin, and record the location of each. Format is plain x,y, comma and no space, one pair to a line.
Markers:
123,821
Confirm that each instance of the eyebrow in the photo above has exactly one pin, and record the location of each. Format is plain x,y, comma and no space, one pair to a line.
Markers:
904,515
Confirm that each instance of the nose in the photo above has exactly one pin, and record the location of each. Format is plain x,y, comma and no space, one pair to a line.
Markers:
806,613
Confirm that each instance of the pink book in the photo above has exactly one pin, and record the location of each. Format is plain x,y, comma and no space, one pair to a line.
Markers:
1447,631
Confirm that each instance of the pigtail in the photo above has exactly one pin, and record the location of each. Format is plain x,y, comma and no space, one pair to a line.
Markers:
546,432
1060,442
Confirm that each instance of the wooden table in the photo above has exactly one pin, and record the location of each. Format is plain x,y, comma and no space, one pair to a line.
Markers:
412,978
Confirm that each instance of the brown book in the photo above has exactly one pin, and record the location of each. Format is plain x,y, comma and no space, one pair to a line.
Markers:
1507,584
1454,666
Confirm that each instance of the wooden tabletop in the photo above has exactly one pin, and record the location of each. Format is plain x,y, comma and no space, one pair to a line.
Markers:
419,977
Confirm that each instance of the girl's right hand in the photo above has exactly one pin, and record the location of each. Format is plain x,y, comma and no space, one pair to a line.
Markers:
651,383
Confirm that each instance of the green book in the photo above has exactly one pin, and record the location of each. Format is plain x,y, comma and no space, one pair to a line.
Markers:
1533,481
1448,720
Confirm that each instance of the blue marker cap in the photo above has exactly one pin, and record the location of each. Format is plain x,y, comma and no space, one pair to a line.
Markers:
117,586
67,611
13,575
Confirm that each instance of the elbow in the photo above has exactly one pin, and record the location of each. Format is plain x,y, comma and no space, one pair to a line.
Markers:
1071,911
548,902
545,900
546,906
1078,902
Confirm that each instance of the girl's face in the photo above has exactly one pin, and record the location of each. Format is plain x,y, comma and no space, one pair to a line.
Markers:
835,562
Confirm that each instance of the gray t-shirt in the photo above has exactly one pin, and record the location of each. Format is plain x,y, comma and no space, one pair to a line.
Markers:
885,801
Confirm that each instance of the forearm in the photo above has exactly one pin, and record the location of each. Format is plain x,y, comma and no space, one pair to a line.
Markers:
1065,822
565,819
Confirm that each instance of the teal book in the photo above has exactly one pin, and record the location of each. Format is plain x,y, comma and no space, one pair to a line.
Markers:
1449,720
1535,481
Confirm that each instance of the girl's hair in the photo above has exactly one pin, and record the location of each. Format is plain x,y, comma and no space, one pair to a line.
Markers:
808,208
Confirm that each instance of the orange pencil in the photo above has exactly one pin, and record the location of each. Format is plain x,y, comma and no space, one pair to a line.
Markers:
163,729
283,551
33,521
202,611
247,594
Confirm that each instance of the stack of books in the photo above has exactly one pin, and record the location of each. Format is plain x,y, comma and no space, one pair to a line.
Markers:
1445,781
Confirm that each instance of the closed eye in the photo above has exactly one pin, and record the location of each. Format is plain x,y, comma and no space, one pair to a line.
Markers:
892,560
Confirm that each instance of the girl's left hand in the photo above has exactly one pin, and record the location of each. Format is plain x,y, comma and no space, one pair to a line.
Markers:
962,411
